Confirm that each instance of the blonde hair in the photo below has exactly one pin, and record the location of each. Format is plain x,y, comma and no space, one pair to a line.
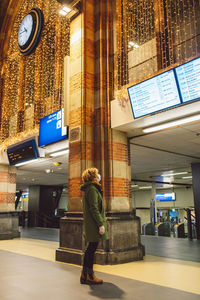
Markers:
90,174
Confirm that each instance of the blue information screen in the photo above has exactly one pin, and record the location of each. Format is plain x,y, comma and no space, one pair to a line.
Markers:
154,94
188,76
52,128
166,197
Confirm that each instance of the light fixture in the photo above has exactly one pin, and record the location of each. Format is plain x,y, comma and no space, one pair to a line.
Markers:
131,44
47,171
62,12
173,174
172,124
26,162
187,177
134,185
66,9
145,187
59,153
57,163
70,8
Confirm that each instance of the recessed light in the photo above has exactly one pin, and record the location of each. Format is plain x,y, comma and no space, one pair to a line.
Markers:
145,187
173,174
172,124
62,12
66,9
59,153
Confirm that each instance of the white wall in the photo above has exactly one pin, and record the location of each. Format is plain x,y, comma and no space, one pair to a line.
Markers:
184,198
141,202
63,201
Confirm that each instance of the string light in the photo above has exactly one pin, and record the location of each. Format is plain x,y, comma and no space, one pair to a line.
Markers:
145,23
32,86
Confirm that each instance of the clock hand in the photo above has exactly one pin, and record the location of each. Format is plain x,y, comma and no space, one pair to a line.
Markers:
23,31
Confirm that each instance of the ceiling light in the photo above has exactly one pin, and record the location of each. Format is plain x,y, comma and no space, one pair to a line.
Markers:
145,187
187,177
26,162
57,163
47,171
131,44
173,174
59,153
66,9
172,124
62,12
134,185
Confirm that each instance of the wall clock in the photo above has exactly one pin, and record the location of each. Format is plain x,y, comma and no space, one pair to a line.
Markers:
30,31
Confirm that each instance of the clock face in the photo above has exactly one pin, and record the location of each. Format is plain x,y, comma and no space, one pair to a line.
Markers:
25,30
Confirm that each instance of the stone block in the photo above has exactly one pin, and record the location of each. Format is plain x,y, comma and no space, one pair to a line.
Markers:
123,245
9,225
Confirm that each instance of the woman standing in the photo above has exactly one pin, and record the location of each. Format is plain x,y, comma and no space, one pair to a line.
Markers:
94,222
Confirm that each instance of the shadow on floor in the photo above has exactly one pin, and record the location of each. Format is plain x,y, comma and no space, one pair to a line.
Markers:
107,291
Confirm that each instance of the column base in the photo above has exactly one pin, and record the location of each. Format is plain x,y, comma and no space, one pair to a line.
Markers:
9,228
123,244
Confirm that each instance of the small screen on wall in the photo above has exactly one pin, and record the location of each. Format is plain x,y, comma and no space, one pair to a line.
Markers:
166,197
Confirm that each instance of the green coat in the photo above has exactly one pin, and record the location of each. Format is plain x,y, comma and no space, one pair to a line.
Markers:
93,212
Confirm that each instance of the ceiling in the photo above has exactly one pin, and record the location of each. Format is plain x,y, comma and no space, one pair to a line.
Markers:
45,170
152,155
36,174
171,150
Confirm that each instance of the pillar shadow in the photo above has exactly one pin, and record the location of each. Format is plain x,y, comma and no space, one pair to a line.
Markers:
107,290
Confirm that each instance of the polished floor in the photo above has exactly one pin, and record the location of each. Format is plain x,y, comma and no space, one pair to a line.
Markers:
29,271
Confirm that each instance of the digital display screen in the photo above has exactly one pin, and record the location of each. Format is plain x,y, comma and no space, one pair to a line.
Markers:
154,94
188,76
52,128
166,197
23,152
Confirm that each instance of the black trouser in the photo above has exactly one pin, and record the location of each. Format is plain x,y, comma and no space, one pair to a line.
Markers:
89,257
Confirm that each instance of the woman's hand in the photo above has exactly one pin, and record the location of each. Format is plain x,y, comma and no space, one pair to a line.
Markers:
101,230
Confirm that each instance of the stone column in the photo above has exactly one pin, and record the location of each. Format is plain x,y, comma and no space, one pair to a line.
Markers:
8,216
93,142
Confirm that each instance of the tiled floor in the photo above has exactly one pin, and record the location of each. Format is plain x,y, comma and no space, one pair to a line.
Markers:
29,271
183,249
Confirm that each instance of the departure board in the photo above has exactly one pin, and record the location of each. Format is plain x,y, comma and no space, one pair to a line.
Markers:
23,152
153,95
188,76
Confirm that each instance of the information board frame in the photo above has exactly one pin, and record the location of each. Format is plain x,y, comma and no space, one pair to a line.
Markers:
20,150
159,197
43,141
179,82
159,110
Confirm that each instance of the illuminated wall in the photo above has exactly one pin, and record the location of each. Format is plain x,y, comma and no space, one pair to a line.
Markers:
153,35
32,86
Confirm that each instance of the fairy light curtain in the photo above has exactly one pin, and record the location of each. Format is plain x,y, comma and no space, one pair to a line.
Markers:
32,86
152,35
